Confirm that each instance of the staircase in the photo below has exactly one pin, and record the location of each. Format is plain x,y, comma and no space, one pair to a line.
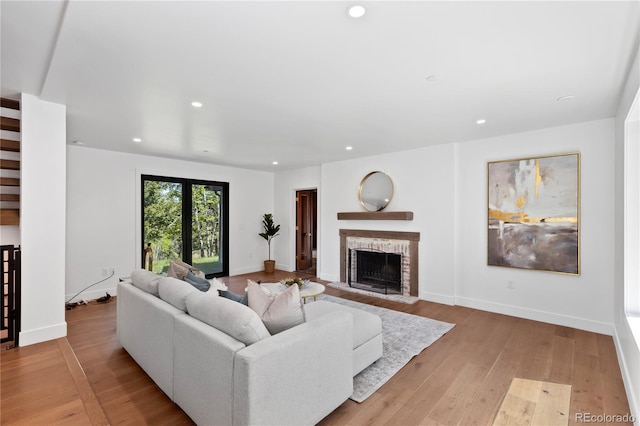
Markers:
9,162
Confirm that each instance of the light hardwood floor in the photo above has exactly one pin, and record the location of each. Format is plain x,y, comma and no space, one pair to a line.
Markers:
460,379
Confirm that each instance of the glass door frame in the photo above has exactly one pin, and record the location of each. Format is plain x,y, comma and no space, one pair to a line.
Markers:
187,199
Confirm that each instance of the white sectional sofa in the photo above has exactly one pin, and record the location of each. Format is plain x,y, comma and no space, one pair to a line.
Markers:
211,355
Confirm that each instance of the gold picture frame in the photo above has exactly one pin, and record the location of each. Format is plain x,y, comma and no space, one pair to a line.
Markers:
533,218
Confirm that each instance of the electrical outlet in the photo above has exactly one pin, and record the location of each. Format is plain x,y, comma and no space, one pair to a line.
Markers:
107,272
510,285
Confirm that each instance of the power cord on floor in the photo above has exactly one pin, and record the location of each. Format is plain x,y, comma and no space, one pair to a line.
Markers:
100,300
103,299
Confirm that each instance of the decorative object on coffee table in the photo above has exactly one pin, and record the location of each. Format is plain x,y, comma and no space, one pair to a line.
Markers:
291,281
270,231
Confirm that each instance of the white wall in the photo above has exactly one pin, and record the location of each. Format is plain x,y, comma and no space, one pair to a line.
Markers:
424,184
584,301
626,344
103,213
445,187
42,220
286,183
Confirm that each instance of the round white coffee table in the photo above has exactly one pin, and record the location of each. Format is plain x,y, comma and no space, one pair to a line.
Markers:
311,290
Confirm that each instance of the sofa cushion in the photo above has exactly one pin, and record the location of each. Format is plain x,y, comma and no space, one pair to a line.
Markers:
279,312
232,318
175,292
365,324
145,280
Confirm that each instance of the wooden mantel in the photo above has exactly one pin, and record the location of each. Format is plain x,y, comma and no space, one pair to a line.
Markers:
375,215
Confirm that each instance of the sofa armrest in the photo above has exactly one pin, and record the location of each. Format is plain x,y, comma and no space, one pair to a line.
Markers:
145,329
295,377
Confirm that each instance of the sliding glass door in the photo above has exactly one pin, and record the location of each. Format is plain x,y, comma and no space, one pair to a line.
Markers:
185,219
206,214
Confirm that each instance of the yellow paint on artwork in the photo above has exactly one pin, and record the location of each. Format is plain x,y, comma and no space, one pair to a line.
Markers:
507,216
524,218
520,202
538,177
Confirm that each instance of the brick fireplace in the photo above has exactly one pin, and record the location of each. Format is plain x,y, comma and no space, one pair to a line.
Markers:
405,243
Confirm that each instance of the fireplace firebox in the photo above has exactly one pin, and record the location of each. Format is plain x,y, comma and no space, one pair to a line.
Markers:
376,271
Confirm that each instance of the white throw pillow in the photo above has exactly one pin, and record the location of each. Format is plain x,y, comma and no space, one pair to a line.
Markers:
278,313
217,285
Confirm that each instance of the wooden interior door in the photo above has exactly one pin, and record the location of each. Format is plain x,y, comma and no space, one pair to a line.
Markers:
305,213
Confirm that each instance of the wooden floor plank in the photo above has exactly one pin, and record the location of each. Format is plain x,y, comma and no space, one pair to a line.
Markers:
91,404
532,402
462,378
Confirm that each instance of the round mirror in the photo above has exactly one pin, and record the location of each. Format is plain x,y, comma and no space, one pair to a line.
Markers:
375,192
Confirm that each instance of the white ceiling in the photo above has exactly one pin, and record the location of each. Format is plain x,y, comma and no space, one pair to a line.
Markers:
297,82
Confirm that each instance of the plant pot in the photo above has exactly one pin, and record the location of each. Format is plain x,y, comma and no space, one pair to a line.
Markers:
269,266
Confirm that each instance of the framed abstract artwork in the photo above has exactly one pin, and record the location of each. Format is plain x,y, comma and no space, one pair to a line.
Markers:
534,213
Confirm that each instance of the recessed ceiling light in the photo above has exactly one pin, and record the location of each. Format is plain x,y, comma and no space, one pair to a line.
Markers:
137,140
78,143
275,163
431,77
196,104
566,98
356,11
205,150
349,148
481,121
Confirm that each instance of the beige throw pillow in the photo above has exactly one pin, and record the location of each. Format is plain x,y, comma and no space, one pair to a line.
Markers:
278,313
177,271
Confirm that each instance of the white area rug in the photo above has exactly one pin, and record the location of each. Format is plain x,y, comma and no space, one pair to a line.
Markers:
395,297
403,337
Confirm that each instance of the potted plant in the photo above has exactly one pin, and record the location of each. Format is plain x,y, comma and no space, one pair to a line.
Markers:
270,230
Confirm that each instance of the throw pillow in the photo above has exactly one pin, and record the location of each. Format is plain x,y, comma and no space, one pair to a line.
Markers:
200,283
176,270
232,318
218,285
278,313
195,270
235,297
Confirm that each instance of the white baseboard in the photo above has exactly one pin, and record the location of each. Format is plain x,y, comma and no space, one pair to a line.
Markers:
247,270
548,317
38,335
328,277
437,298
285,267
628,379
